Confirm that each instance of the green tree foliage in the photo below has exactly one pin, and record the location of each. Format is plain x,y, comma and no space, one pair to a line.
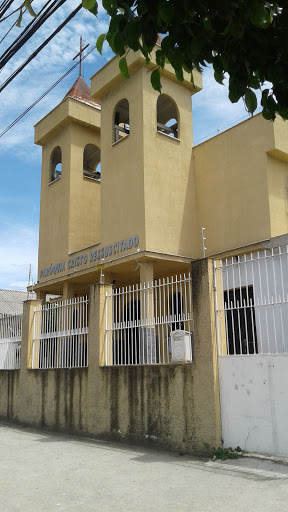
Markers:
246,40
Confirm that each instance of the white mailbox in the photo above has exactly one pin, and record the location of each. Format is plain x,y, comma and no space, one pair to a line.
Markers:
181,346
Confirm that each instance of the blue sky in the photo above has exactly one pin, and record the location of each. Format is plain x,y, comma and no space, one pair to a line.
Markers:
20,159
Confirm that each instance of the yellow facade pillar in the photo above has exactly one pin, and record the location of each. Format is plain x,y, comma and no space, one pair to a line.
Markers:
27,332
205,377
68,290
219,306
146,272
41,296
146,279
148,334
100,322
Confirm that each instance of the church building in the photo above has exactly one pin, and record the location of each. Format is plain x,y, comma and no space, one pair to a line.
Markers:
125,194
168,264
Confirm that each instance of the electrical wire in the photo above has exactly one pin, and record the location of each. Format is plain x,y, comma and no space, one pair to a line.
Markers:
13,12
33,55
30,30
27,28
12,26
5,6
44,94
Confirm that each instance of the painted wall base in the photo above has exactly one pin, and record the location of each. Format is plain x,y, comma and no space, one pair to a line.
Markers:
254,403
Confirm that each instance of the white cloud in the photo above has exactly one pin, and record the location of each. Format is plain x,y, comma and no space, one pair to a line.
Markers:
212,110
18,248
49,65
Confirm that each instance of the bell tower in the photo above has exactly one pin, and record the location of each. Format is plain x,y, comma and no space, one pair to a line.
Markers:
148,184
71,176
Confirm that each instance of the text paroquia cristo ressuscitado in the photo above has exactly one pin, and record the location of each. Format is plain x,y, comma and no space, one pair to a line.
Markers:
98,254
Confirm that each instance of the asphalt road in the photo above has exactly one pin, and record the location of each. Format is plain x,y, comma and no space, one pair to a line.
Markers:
46,472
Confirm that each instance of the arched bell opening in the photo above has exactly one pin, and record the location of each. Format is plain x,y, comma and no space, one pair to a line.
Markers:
121,120
92,162
167,116
56,164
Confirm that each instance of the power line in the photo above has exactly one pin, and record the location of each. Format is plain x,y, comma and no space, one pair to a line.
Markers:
43,11
13,25
46,11
8,32
13,12
18,70
5,6
44,94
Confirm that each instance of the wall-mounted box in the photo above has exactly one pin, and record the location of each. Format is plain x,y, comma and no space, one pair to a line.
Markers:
181,345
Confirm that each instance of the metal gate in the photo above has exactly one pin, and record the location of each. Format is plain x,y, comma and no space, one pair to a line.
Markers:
60,334
251,306
10,341
144,322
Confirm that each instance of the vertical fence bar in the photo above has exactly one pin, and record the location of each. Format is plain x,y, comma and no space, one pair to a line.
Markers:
143,317
107,327
165,346
60,334
10,340
275,299
133,327
255,301
216,305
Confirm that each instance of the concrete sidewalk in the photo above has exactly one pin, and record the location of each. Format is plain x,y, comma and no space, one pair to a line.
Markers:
47,472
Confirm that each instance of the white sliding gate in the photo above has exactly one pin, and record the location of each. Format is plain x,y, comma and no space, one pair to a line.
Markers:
150,323
10,341
60,334
251,303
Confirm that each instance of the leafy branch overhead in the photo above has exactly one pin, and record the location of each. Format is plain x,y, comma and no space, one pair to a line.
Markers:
246,40
26,5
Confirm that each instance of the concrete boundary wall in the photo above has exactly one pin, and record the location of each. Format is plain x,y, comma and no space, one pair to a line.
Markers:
176,406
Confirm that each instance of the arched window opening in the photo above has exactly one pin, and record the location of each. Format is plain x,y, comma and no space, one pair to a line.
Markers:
167,116
121,120
56,164
92,162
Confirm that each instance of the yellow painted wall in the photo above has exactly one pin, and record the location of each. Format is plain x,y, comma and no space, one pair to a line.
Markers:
54,204
170,202
122,194
70,206
232,185
69,109
277,164
148,185
84,213
281,139
109,77
278,201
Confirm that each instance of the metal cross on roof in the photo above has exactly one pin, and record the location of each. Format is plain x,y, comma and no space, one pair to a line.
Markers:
80,55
